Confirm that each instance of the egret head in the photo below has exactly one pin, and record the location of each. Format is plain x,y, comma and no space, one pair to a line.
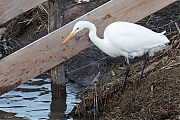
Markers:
77,27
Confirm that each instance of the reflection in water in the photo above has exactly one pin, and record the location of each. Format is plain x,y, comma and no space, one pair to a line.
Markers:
33,100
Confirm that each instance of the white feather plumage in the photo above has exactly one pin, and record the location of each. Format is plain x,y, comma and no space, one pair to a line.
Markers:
125,39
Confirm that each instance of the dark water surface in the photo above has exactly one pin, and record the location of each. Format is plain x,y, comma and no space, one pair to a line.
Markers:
33,101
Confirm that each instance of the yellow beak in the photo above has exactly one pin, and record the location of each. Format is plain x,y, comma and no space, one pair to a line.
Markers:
69,37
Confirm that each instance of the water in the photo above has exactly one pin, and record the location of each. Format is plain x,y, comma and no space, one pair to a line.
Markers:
33,101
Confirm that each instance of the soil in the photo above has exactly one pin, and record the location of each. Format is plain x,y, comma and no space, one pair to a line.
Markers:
157,97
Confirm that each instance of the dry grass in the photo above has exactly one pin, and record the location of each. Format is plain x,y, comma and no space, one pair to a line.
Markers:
158,95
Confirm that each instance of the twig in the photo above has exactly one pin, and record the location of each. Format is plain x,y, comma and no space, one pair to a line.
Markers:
177,27
93,82
42,7
95,79
95,98
96,95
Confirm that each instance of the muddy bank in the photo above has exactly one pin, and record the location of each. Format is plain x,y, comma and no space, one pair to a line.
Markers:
158,95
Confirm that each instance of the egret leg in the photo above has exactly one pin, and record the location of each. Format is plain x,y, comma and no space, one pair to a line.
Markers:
144,64
124,81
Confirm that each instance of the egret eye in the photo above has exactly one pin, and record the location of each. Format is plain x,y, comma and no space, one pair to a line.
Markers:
77,29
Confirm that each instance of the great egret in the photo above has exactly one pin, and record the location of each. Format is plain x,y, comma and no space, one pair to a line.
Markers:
124,39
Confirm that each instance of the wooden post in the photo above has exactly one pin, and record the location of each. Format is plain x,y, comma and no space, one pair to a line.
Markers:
56,20
58,86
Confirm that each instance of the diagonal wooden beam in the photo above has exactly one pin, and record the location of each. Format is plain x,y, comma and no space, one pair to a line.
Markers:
49,51
12,8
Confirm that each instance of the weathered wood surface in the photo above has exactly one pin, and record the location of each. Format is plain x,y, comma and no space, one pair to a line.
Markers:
12,8
49,51
58,83
55,21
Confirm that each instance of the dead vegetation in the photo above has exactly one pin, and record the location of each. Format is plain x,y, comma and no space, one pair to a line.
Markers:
158,96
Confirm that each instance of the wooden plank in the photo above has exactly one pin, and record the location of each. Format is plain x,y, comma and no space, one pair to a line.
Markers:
49,51
12,8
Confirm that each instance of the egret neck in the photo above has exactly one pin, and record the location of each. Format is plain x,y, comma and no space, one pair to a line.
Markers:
100,43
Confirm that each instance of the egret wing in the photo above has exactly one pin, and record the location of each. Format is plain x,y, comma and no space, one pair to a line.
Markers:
131,37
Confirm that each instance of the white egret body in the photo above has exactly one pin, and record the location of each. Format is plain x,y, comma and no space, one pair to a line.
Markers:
124,39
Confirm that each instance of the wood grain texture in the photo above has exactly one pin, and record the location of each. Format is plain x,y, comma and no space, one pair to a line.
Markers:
55,21
49,51
12,8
